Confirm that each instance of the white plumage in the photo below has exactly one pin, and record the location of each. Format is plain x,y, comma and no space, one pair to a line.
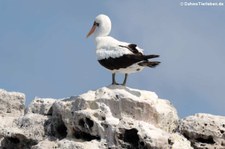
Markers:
109,47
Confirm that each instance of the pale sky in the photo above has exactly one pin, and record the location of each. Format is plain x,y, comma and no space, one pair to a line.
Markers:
44,51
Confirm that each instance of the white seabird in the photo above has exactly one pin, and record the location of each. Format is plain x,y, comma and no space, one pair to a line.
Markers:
117,56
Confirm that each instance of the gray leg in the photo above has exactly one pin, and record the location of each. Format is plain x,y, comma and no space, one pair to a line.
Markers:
125,79
113,79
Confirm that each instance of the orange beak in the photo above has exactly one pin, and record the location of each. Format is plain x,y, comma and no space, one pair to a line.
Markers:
92,30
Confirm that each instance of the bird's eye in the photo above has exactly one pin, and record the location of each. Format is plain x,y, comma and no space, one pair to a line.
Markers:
95,23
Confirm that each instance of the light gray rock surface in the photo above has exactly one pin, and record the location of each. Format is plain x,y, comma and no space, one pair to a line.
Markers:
204,130
11,103
99,115
24,132
70,143
112,117
41,106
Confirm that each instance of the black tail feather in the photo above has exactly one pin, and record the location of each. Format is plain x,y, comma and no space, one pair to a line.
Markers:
149,64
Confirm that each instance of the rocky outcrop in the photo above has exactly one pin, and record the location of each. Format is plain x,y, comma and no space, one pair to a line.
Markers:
11,103
114,117
204,131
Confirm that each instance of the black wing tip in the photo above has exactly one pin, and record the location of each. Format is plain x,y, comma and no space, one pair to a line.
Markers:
151,56
156,55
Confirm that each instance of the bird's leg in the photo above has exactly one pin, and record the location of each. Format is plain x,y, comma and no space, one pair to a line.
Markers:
125,79
113,79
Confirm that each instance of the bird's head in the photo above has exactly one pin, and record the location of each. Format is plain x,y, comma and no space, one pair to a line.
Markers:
101,26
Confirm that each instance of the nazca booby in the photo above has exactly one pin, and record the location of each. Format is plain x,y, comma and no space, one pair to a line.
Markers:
117,56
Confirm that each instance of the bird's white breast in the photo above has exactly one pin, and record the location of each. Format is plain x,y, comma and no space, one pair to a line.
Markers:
110,47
